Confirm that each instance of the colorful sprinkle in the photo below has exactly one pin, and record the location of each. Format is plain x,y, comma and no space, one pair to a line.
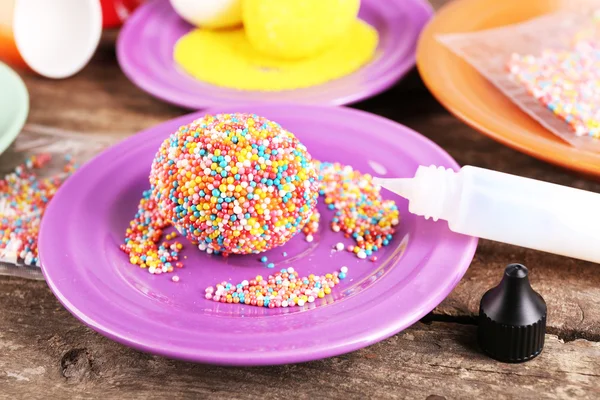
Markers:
360,212
312,226
566,81
24,196
282,289
142,239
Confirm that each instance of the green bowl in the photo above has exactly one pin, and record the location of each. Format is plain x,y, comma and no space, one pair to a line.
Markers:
14,106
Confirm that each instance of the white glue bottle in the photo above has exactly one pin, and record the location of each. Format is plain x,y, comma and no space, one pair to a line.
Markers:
506,208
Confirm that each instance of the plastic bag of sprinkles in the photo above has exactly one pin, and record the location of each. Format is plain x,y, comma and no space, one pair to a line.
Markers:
31,171
548,66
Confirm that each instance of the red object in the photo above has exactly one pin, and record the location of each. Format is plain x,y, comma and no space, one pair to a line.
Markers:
115,12
8,49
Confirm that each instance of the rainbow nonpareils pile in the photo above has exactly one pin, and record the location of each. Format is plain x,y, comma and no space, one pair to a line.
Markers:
360,212
282,289
142,239
566,81
24,196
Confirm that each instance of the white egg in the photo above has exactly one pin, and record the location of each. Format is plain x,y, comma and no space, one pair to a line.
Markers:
212,14
57,38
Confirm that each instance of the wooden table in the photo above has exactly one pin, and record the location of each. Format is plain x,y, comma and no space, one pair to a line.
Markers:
46,353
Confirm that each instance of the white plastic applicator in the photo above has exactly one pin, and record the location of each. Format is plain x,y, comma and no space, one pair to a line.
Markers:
506,208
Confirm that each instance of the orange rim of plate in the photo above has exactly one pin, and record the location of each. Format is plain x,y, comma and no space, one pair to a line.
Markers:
474,100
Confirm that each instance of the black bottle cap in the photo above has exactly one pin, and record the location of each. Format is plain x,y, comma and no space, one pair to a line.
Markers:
512,318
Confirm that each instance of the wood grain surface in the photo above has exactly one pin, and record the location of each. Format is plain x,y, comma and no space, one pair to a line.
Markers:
47,353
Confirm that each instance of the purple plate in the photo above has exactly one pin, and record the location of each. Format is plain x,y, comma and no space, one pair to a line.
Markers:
84,226
145,53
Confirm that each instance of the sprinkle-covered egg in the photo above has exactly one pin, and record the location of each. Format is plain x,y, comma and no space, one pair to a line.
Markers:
234,183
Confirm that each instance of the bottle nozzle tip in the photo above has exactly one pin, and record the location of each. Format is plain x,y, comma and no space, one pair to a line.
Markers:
395,185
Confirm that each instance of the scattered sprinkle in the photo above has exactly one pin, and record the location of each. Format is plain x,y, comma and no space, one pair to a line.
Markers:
282,289
566,81
142,239
360,212
24,196
312,226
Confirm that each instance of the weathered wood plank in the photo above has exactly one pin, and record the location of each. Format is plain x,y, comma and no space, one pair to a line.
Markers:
47,353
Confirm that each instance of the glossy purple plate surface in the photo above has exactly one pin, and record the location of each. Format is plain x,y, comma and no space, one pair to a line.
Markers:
145,53
84,226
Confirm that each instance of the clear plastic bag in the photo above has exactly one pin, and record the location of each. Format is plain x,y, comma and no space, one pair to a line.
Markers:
491,51
55,154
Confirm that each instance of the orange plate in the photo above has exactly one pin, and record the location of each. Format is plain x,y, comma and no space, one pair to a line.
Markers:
469,96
